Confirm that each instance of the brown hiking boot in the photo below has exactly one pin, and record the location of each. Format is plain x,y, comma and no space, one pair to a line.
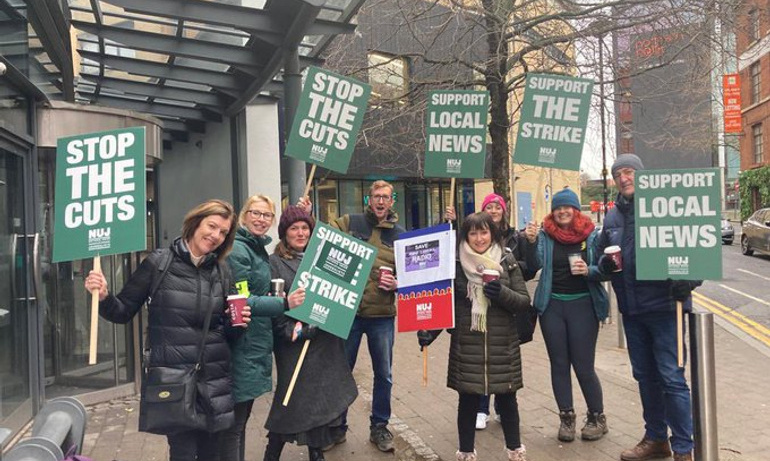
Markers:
567,426
647,449
682,456
595,427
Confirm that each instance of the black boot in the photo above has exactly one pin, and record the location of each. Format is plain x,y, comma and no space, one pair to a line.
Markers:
316,454
273,449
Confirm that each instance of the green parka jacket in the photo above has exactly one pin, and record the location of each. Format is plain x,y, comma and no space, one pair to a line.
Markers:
252,361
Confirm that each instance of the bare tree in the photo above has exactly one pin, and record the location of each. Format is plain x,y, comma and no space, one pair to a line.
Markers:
493,44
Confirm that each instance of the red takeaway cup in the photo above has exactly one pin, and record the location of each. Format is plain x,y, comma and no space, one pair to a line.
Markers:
236,303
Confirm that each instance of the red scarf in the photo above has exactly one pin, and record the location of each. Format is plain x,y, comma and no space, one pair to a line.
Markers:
578,231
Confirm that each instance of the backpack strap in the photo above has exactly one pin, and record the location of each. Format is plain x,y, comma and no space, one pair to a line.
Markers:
165,262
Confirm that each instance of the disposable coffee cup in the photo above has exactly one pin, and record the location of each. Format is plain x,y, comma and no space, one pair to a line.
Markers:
236,303
573,259
489,274
384,270
276,287
614,253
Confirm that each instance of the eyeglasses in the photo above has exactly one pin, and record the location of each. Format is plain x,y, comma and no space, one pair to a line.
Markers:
381,198
258,214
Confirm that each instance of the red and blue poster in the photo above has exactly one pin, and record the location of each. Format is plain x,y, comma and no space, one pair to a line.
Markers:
425,264
426,307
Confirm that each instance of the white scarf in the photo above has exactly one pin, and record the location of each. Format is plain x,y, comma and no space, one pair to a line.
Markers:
473,265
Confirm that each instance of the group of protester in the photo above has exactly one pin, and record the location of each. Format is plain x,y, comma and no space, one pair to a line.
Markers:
218,250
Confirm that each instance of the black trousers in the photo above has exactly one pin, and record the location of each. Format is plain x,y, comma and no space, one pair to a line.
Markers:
194,446
233,439
509,418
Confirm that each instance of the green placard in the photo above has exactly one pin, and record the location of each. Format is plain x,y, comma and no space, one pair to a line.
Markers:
328,118
99,206
678,231
334,272
456,134
552,126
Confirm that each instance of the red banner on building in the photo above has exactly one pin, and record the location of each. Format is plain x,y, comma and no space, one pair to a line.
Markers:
731,91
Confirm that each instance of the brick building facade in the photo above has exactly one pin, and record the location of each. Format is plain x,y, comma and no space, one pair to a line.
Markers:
753,50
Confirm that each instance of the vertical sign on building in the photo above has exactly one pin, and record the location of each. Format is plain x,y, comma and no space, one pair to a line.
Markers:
99,206
678,232
328,119
731,94
552,126
456,130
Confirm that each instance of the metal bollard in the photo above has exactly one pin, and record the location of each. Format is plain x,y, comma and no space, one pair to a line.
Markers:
60,425
704,393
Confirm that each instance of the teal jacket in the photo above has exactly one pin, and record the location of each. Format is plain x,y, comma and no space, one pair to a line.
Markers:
252,361
541,257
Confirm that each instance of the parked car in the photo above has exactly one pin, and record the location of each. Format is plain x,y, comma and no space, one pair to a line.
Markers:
755,234
728,232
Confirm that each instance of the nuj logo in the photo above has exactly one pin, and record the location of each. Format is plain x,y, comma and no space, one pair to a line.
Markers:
320,311
316,149
454,163
339,256
678,260
99,233
424,311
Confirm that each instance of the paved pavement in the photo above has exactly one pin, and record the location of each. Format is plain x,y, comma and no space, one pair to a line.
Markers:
428,413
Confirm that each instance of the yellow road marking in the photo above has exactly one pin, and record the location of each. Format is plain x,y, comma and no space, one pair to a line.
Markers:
748,326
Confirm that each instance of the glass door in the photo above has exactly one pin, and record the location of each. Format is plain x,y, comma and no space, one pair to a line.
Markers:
15,311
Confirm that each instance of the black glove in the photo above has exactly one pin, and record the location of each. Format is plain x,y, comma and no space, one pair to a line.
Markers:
303,331
607,264
492,289
680,289
426,337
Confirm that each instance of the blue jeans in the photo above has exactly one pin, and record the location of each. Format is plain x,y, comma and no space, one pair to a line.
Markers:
379,333
663,389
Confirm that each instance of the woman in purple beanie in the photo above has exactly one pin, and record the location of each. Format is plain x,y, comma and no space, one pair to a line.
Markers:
325,387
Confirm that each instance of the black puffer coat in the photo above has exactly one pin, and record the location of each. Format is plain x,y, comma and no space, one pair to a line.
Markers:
176,319
488,363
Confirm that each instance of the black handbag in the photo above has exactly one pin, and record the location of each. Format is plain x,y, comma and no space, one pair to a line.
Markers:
525,324
170,400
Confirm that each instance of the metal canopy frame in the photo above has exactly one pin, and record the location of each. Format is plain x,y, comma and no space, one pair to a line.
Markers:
188,62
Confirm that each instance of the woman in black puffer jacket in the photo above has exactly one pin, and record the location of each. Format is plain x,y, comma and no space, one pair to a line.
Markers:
192,285
484,355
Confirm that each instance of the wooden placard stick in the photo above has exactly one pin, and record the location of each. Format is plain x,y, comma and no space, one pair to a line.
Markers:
296,371
94,315
309,181
679,336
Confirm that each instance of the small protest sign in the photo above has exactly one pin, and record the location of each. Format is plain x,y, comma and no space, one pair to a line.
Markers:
328,119
333,272
425,262
99,205
456,130
678,232
426,307
554,115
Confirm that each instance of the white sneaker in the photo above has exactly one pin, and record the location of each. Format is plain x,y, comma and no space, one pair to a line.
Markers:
481,421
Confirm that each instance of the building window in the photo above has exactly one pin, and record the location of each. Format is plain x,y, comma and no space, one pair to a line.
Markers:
753,25
388,75
756,136
756,86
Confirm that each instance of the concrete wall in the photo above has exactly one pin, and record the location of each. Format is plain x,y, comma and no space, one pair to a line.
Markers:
262,162
191,173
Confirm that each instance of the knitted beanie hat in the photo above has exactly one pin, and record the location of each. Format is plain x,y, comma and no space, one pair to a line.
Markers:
565,197
290,215
494,198
627,161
